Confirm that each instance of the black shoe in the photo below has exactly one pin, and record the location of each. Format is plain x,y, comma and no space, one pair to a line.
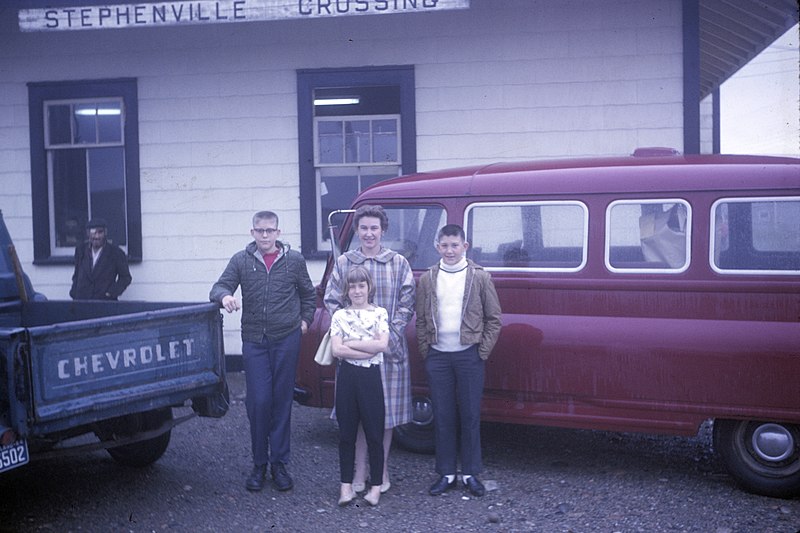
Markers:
280,477
475,487
441,486
255,482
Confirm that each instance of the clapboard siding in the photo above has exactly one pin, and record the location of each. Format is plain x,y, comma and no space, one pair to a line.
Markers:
503,80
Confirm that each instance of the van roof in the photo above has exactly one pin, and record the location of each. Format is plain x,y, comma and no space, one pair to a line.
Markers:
636,173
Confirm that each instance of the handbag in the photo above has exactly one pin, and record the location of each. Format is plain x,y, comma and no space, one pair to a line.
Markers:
324,355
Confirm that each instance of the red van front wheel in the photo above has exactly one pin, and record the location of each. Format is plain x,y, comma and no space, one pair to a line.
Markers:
417,436
763,457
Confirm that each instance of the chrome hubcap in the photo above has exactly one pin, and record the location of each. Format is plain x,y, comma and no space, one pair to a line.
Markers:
773,442
421,411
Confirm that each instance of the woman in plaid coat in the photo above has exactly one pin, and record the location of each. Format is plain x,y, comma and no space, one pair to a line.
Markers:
394,284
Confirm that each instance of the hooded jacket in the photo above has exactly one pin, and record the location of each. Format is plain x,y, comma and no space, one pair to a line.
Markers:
274,301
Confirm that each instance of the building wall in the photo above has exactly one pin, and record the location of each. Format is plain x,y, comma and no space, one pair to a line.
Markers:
503,80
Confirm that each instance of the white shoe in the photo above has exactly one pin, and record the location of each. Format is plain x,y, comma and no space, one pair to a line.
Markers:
386,486
359,487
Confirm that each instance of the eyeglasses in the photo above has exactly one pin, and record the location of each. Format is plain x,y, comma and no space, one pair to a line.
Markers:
265,231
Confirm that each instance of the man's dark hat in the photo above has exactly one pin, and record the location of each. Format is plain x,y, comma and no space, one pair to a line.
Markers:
96,223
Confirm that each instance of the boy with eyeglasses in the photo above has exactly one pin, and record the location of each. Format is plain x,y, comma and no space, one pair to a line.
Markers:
278,303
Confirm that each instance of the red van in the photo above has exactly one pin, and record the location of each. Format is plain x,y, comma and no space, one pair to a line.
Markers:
647,293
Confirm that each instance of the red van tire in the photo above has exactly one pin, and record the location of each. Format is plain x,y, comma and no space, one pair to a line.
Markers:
415,438
763,457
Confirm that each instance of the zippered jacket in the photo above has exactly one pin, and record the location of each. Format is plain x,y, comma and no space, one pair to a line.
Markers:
480,310
273,302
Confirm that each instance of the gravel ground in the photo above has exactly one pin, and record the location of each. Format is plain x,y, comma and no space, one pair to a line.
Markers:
538,480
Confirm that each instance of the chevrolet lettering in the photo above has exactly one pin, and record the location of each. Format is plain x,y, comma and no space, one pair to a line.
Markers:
125,359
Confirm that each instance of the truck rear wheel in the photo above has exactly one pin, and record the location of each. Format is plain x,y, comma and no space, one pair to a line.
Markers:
145,452
763,457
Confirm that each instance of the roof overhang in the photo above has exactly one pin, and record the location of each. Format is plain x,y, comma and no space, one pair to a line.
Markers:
732,32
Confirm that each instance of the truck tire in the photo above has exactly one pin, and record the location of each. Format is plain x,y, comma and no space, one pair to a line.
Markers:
146,452
763,457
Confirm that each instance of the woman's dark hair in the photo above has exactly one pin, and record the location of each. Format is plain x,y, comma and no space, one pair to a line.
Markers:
371,211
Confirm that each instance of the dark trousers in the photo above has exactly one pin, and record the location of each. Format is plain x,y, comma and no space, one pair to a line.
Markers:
359,399
270,368
456,384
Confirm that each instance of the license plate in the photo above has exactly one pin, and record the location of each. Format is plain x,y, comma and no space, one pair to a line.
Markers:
14,455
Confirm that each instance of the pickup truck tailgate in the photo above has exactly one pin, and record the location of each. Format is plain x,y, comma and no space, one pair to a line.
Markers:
88,369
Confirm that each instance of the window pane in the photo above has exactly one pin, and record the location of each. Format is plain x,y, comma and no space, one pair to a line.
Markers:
412,232
384,141
372,175
70,199
757,235
107,191
776,226
58,124
85,122
338,187
109,122
530,235
648,235
331,142
357,141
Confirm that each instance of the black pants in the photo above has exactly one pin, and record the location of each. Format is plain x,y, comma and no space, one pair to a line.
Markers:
359,399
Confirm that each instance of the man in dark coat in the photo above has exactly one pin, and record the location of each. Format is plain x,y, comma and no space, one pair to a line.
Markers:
101,268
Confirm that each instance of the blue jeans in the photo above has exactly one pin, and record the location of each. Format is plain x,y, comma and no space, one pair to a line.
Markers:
456,384
270,368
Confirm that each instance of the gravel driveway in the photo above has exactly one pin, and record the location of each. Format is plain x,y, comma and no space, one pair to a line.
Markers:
538,480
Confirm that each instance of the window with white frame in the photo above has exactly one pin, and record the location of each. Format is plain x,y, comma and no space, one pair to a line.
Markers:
648,236
356,127
350,154
539,236
86,169
84,165
756,236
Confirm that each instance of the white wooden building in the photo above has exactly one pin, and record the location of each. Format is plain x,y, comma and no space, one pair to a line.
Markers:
178,120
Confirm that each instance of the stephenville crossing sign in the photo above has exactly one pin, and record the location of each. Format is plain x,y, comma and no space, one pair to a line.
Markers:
146,14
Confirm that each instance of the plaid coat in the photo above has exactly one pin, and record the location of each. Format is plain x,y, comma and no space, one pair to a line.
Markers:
394,291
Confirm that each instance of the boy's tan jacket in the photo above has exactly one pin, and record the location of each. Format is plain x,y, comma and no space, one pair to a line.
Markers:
480,310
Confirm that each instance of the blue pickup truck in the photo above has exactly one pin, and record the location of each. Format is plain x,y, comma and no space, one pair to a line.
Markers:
78,376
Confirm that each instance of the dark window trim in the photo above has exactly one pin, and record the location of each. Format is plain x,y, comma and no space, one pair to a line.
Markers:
307,81
40,92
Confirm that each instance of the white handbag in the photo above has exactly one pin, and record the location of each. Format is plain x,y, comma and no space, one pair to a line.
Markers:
324,355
